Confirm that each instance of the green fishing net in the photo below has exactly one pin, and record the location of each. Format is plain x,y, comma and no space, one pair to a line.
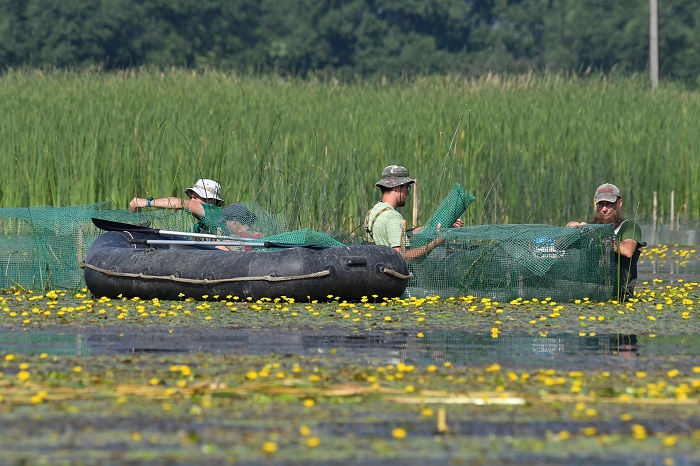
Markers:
42,248
505,262
447,213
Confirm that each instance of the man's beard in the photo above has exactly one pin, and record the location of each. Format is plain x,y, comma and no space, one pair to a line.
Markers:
615,218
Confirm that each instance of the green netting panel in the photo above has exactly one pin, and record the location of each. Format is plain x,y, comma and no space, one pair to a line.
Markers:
447,213
260,221
42,247
504,262
305,236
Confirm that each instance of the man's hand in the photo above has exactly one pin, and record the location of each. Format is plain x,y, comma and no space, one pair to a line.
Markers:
134,204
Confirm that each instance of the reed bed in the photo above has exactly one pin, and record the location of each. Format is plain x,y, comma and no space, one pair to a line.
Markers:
531,148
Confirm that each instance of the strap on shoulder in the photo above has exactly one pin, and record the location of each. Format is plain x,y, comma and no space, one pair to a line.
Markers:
370,227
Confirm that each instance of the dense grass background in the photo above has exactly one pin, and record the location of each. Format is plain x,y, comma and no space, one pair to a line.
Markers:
532,149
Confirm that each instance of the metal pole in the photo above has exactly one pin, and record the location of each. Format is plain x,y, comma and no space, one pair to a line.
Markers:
673,207
654,43
653,241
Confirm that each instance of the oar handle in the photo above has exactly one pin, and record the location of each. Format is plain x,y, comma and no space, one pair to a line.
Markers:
264,244
186,242
274,244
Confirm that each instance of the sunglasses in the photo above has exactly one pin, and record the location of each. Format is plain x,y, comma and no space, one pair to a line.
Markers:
610,205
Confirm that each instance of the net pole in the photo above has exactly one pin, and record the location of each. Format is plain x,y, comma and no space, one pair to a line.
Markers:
80,245
403,237
415,204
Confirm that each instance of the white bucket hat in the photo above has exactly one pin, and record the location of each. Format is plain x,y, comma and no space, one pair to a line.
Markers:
206,189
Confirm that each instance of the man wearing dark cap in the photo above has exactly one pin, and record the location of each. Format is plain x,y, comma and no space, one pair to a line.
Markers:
384,225
240,222
239,212
608,209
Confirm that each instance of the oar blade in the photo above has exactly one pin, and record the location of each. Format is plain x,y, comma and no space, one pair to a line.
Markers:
110,225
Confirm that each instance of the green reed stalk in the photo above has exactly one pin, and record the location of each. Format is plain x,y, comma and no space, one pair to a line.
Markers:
533,150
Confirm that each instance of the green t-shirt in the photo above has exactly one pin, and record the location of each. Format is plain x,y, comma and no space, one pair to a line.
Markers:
629,230
383,225
627,267
212,222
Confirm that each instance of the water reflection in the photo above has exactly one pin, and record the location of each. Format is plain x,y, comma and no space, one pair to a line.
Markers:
626,346
374,347
36,343
523,350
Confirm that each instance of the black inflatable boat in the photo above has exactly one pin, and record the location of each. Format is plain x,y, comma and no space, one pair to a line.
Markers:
119,263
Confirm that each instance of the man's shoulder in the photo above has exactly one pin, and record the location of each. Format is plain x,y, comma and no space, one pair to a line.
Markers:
629,224
382,210
381,205
386,213
630,229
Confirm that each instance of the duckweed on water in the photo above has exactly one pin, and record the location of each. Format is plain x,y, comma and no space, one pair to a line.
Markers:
659,307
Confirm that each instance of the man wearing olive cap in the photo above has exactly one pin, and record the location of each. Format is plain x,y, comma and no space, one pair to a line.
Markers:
608,209
384,225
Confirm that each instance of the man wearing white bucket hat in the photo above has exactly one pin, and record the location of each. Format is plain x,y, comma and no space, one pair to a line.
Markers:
201,198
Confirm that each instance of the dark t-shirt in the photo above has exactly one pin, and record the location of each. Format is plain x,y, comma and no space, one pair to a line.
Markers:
626,266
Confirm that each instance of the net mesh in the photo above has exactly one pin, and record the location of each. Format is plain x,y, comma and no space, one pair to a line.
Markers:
447,213
505,262
42,248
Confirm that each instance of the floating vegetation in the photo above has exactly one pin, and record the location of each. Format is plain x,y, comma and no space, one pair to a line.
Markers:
658,307
95,380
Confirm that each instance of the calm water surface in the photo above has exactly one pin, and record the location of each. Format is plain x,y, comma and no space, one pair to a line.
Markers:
374,347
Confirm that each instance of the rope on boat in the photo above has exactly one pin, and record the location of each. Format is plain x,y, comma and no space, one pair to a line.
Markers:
396,274
207,281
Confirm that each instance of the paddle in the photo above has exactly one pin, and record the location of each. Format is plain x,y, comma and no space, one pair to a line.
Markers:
109,225
263,244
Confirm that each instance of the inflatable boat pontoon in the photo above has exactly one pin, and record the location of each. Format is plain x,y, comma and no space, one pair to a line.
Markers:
136,264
